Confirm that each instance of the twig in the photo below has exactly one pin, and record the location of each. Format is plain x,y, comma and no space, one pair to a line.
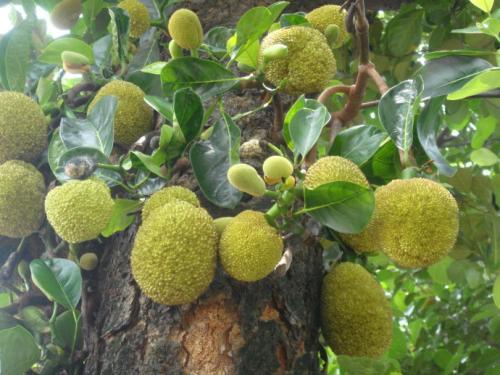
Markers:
11,263
276,135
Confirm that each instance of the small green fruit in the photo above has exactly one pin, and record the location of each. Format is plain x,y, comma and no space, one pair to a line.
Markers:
245,178
139,17
185,28
66,14
332,169
332,34
276,51
75,63
175,50
323,17
276,168
89,261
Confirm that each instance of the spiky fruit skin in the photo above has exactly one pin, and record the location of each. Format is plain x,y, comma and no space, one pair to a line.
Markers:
309,64
332,169
185,29
174,254
249,247
277,167
320,18
79,210
22,192
418,221
23,129
245,178
133,116
89,261
66,13
139,17
366,241
356,318
167,195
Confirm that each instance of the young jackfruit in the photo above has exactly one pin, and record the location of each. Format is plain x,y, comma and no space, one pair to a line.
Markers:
74,62
309,65
133,116
167,195
331,169
79,210
139,17
276,168
22,191
323,17
185,29
356,318
245,178
89,261
23,129
249,247
174,254
66,13
418,221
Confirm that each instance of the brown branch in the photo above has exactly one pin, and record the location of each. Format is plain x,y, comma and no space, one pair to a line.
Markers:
379,81
276,135
328,92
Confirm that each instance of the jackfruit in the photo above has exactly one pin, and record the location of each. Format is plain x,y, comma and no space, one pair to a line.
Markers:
23,129
139,17
79,210
418,222
22,191
167,195
327,15
66,13
245,178
174,254
356,318
185,29
332,169
75,63
133,116
89,261
366,241
276,168
309,64
249,247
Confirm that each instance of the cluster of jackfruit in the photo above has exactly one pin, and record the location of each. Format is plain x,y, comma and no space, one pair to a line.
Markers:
185,28
133,116
139,17
356,318
330,21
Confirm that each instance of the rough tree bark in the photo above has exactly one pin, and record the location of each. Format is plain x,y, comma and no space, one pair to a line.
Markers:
268,327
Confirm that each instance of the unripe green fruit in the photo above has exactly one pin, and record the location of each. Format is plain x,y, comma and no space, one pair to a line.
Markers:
276,51
66,14
332,34
185,28
175,50
245,178
277,167
167,195
332,169
289,183
221,223
74,62
89,261
139,17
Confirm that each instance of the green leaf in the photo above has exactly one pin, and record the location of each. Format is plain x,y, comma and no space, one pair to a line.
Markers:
216,40
7,321
34,318
206,78
484,157
150,163
399,344
211,160
52,53
189,113
67,330
496,291
154,68
403,32
439,271
306,126
59,279
341,206
91,8
161,105
482,82
485,127
119,27
448,74
459,52
358,143
366,366
123,215
484,5
454,362
18,351
428,124
397,109
293,19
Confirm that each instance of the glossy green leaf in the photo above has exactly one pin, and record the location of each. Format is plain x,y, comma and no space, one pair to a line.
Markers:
52,53
59,279
119,27
293,19
35,319
211,160
484,5
189,113
428,125
403,32
18,351
358,143
151,164
67,330
161,105
216,39
482,82
484,157
341,206
485,127
124,214
206,78
154,68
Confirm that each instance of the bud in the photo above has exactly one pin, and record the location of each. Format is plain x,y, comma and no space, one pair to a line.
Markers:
221,223
66,14
276,51
289,183
74,62
332,35
88,261
245,178
185,28
175,50
277,167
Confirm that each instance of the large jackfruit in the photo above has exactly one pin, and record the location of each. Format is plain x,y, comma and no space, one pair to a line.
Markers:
321,18
22,192
139,17
185,29
356,318
309,65
133,116
418,221
249,247
174,254
167,195
23,129
79,210
332,169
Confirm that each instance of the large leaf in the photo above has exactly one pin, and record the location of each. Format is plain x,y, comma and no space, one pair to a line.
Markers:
358,143
189,113
119,27
428,124
52,53
206,78
67,329
161,105
59,279
216,39
403,32
211,160
341,206
18,351
484,81
123,215
397,109
448,74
